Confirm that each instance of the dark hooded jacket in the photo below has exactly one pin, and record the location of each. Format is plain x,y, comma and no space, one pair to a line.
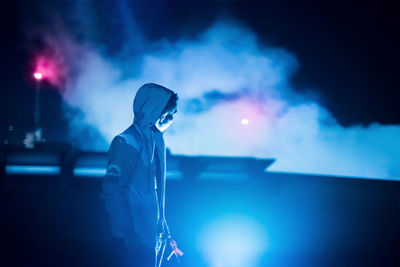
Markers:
134,184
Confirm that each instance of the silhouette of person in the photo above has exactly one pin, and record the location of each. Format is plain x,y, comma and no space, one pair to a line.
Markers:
134,184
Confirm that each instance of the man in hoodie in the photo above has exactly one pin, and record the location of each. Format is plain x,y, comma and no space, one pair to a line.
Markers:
134,184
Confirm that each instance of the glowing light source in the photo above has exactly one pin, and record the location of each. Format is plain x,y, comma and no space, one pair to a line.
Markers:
38,75
245,121
90,172
26,169
233,241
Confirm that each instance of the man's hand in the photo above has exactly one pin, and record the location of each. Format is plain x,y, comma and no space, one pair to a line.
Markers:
175,250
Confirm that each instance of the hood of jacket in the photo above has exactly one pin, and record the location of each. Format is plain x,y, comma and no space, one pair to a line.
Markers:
148,104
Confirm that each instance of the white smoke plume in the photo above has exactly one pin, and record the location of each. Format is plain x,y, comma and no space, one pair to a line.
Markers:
222,77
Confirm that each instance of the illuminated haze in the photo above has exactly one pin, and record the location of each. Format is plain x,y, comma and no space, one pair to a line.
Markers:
223,76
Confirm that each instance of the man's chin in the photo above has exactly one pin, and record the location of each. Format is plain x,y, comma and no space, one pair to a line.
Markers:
162,127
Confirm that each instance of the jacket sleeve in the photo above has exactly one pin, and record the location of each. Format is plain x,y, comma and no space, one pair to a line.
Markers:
115,187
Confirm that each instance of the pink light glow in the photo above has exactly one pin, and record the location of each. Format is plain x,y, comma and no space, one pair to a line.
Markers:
38,75
248,119
46,67
51,68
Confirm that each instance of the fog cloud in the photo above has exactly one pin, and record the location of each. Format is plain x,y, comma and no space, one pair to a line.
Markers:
223,76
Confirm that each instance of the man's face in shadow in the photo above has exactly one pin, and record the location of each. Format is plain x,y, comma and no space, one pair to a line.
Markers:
165,119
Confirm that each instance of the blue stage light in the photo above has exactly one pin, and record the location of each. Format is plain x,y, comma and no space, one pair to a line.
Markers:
233,241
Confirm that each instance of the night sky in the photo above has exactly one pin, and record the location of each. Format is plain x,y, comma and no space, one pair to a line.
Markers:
348,54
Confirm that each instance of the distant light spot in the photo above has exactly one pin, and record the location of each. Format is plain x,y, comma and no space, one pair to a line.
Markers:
37,75
245,121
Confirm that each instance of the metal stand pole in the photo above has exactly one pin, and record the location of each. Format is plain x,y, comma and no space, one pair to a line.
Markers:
37,105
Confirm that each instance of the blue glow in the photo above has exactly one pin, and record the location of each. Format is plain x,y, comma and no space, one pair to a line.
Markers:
25,169
233,241
90,172
223,176
99,172
174,175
